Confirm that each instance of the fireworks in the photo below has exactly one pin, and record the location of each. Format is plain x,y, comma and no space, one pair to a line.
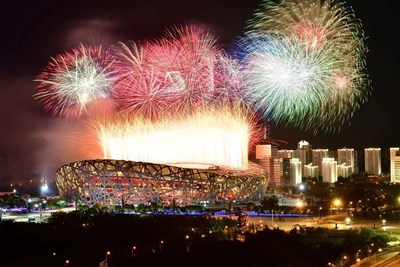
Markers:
72,81
284,80
315,22
208,136
181,99
181,72
321,27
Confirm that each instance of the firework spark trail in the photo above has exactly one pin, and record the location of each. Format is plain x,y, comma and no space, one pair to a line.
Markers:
284,80
319,26
182,71
74,80
314,22
137,89
209,136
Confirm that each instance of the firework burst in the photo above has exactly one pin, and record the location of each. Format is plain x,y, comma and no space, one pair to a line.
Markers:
183,71
74,80
322,27
284,80
315,23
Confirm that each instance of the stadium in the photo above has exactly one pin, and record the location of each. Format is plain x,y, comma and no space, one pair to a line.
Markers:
114,182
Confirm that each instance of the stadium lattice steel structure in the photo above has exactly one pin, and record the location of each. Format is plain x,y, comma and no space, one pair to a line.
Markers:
113,182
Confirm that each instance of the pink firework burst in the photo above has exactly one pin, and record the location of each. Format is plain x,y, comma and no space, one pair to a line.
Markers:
72,81
183,71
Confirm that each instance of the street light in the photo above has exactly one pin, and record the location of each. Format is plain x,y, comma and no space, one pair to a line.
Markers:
348,220
66,263
300,205
107,254
319,212
44,188
337,203
134,251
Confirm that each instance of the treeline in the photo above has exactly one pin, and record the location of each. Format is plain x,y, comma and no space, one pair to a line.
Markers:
84,237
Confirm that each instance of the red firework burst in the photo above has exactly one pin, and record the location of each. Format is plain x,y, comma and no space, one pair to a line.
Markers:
178,73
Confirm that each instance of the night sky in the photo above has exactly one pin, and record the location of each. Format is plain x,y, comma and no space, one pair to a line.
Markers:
34,31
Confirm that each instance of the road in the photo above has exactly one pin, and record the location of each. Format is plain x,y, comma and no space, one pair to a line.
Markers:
31,216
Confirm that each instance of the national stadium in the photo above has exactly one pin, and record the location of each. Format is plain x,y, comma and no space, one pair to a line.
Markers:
114,182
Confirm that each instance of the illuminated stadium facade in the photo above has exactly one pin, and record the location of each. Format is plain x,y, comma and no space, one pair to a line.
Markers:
113,182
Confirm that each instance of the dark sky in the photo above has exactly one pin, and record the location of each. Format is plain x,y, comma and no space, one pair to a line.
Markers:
33,31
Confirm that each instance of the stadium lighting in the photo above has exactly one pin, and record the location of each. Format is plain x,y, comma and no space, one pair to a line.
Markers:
44,188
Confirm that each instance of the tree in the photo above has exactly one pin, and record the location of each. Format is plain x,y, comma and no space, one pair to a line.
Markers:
270,203
318,195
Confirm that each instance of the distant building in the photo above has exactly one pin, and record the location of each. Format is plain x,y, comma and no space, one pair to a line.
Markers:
267,157
343,170
317,156
303,153
303,145
275,171
285,153
329,170
285,170
359,161
311,171
372,161
332,154
346,156
295,171
394,164
385,160
284,156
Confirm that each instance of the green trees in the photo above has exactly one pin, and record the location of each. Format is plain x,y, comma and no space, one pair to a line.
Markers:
12,201
270,203
318,197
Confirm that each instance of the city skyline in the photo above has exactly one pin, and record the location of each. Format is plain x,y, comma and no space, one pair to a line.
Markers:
38,31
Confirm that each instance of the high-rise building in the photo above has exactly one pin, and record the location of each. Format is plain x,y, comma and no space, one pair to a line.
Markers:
285,153
332,154
303,153
303,145
346,156
343,170
267,157
311,171
329,170
395,164
275,171
317,156
385,159
285,170
284,156
359,161
295,171
372,160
